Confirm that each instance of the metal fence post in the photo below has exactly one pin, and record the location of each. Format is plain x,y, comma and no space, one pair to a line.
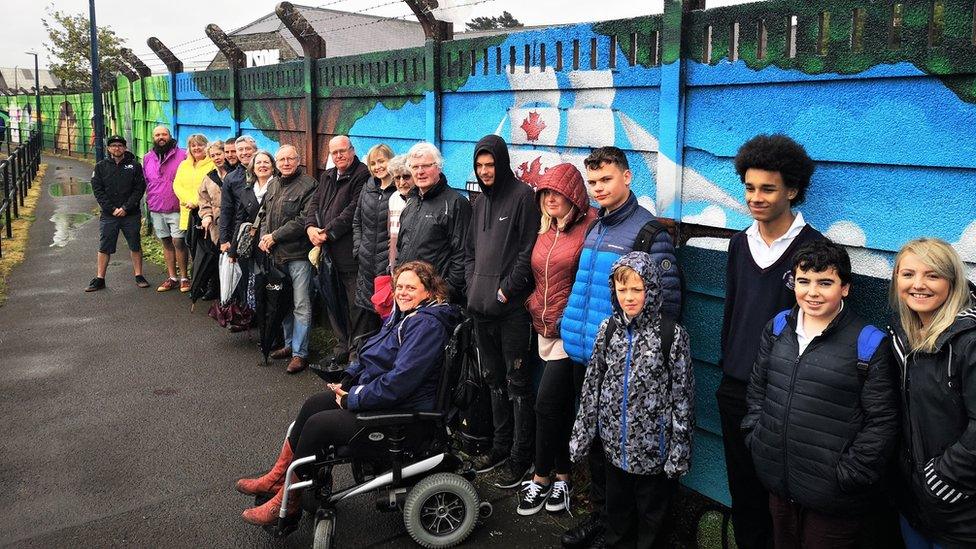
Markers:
6,198
12,177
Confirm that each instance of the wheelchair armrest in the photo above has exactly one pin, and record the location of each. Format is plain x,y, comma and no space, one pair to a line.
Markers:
380,419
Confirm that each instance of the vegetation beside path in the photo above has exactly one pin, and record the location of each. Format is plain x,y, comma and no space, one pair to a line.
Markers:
14,248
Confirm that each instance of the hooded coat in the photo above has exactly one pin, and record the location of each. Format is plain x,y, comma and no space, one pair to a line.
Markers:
371,238
937,457
399,368
644,409
821,433
433,228
186,184
160,174
118,185
504,224
555,256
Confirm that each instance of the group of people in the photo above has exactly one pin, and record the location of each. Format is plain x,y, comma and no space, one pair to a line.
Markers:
815,403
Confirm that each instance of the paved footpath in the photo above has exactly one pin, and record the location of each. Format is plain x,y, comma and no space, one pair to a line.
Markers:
126,417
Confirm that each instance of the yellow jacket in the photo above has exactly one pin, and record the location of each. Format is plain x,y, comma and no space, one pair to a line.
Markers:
187,183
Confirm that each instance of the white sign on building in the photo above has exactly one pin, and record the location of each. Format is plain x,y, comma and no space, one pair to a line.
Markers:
260,58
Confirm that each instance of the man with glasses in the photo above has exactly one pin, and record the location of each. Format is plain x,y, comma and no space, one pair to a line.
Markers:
329,224
283,236
434,223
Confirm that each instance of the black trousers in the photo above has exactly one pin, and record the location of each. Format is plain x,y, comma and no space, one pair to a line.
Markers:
359,320
796,527
555,410
321,423
637,506
503,344
750,501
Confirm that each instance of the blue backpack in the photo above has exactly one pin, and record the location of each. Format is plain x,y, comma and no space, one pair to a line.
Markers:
867,342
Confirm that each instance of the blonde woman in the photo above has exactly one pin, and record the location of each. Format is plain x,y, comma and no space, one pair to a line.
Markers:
186,183
934,341
370,236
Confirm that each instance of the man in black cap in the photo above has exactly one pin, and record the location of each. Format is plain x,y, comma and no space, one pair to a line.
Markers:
118,185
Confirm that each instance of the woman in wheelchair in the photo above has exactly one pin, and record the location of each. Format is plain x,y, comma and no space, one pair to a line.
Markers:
398,369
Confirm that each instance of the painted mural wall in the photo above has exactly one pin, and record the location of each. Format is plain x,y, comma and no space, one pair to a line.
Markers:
881,93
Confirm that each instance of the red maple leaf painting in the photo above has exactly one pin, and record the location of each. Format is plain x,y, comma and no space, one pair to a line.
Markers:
531,174
533,126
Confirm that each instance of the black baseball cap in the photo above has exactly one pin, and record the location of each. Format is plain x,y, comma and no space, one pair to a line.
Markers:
115,139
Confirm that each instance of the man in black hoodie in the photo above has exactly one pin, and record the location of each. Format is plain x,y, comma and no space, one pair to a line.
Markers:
118,185
504,225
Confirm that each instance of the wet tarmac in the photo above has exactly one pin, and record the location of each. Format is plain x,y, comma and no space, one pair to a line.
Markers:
72,207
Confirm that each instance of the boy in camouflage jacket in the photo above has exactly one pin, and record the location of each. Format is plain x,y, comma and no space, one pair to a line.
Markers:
638,404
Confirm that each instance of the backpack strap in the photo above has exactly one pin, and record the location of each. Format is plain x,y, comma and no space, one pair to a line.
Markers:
647,235
868,342
779,322
667,337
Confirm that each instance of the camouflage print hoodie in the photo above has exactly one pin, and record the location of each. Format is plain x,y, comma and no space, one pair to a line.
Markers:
644,409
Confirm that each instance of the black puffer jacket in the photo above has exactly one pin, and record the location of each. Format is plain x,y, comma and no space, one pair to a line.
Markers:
504,226
434,228
118,185
371,238
237,205
937,458
820,432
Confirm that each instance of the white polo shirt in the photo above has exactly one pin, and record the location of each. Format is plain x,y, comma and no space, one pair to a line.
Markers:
765,255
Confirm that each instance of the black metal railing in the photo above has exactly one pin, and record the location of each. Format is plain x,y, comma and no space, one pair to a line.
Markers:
17,172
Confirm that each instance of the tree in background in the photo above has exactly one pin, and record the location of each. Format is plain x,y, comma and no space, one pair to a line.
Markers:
503,21
70,49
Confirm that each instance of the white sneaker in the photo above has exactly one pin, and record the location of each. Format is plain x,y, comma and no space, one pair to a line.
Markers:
532,497
559,497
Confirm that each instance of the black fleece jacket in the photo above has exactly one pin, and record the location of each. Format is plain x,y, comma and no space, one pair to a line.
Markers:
820,432
119,185
504,227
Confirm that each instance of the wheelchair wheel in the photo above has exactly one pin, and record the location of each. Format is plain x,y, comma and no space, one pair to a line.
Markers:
441,510
324,532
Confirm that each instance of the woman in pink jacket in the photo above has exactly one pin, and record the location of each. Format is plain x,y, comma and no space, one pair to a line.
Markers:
566,216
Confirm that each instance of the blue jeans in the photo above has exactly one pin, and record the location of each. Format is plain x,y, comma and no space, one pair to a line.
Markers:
297,323
915,539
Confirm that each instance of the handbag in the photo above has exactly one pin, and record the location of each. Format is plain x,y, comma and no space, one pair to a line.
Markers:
247,233
382,295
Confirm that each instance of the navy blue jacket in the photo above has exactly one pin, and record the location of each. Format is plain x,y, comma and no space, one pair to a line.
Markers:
399,367
613,236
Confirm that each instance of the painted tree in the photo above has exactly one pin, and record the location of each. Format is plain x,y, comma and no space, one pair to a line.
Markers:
70,49
503,21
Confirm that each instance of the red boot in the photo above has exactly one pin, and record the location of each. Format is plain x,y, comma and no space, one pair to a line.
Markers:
267,514
272,481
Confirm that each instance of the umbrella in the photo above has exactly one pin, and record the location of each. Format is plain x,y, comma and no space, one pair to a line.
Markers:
328,285
276,302
204,269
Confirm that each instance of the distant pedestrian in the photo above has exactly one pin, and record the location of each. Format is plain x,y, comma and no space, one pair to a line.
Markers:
160,165
118,185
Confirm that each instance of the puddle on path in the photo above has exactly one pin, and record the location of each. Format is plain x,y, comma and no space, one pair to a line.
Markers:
70,186
66,226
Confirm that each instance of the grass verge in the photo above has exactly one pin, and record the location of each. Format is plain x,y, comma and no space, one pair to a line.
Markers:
14,248
152,248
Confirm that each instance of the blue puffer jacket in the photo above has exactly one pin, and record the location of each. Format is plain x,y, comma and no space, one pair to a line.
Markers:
613,235
399,367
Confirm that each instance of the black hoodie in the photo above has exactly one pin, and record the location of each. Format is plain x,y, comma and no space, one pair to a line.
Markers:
504,226
119,185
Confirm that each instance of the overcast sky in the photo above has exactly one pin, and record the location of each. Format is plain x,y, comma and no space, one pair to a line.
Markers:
180,23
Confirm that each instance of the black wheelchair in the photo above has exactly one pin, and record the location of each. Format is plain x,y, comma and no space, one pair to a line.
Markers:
408,460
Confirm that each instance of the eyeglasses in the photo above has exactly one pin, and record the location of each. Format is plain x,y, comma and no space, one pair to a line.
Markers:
340,152
403,177
422,167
